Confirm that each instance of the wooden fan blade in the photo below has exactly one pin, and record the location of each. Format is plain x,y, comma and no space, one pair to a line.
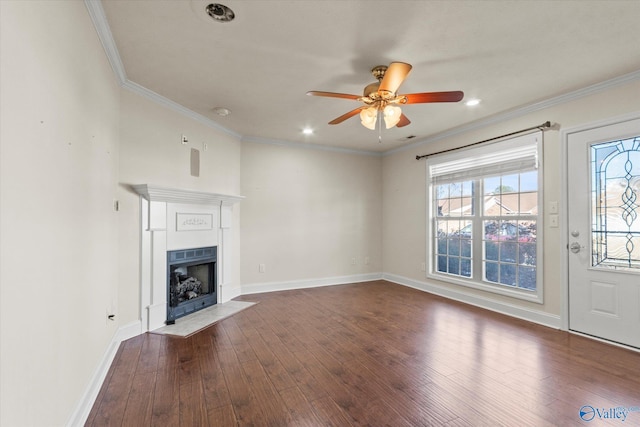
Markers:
332,94
346,116
421,98
404,120
394,76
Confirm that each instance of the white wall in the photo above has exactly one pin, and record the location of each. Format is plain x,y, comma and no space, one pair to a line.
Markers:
307,214
58,179
404,195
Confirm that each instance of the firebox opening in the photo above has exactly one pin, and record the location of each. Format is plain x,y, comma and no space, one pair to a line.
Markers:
191,281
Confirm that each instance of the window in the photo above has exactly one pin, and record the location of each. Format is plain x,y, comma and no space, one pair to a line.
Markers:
484,206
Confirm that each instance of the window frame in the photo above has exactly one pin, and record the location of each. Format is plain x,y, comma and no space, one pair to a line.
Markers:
477,251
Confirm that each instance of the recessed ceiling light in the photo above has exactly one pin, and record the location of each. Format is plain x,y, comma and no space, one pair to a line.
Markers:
472,102
221,111
307,131
220,12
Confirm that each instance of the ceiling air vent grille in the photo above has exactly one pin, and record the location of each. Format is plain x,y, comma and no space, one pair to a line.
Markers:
220,12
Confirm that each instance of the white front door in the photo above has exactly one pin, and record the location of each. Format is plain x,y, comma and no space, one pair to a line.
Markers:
604,231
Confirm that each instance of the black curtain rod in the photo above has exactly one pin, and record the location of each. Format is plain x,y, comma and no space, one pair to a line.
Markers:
545,125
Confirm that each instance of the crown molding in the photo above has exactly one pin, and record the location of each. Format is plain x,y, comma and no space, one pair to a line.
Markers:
166,102
96,12
308,146
522,111
99,19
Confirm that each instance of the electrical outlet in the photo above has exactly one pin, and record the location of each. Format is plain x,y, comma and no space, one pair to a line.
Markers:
366,260
205,146
423,267
262,268
354,261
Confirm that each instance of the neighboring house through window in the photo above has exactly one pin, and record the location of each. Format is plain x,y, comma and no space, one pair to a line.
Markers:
484,225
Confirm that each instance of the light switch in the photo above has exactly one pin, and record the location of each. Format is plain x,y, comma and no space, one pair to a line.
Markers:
553,207
553,221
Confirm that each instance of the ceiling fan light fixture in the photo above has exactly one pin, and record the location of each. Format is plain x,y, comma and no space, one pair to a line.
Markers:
391,114
368,117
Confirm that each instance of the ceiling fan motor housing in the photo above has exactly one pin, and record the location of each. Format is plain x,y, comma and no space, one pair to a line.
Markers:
371,89
378,72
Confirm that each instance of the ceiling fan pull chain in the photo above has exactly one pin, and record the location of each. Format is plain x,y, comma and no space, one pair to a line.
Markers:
379,127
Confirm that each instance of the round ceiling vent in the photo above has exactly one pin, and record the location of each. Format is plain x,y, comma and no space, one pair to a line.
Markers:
220,12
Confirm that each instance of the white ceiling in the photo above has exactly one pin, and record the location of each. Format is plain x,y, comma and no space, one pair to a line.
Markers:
510,54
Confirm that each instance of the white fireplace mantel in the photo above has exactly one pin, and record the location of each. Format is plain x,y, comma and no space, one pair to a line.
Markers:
155,193
162,210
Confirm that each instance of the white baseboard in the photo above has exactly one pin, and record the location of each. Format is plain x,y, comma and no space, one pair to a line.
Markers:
535,316
157,315
228,292
80,415
256,288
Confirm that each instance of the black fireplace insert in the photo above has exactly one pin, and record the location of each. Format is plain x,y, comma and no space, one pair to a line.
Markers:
191,281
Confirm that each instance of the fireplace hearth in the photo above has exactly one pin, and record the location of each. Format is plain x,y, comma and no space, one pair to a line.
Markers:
191,281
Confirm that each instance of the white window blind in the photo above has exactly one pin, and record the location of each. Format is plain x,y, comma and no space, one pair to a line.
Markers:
515,155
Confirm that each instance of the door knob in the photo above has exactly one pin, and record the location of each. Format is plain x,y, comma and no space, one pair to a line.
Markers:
575,247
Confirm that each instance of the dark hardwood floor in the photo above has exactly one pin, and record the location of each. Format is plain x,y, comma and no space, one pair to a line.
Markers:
376,354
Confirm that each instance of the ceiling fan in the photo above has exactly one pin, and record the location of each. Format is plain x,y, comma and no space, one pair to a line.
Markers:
380,98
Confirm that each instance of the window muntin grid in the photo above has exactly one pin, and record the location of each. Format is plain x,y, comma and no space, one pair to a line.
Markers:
507,245
510,208
454,204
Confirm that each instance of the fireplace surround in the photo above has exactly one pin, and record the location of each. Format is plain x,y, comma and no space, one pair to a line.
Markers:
178,221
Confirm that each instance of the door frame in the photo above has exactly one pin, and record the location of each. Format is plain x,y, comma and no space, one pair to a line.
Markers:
564,211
